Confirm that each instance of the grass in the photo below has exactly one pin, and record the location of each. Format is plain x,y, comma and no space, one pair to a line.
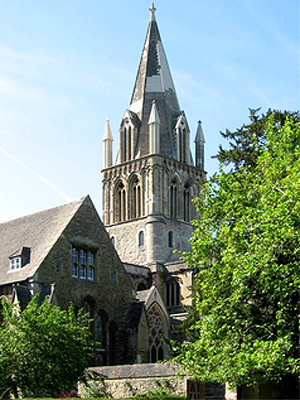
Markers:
138,397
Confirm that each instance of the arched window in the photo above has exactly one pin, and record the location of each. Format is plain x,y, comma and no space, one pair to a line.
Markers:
136,210
126,142
101,337
141,239
173,199
123,145
128,131
186,202
99,330
88,306
141,286
113,240
170,239
182,139
184,145
156,333
120,203
173,293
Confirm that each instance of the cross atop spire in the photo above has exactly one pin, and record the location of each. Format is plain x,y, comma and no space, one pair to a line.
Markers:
152,10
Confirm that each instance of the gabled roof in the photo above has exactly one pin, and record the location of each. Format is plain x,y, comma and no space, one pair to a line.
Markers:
39,232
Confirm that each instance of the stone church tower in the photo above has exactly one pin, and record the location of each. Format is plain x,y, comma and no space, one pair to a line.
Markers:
147,193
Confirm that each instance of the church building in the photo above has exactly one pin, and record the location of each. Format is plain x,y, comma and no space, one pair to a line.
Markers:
148,191
123,271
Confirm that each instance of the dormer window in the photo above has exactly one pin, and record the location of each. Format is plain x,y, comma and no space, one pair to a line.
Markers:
15,263
19,259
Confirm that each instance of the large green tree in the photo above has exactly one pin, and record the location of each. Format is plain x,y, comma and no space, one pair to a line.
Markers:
243,150
243,327
43,349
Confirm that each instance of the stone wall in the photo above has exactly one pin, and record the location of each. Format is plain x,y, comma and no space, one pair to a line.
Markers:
155,175
129,380
104,296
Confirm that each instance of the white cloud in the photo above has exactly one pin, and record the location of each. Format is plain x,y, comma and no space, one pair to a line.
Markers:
36,174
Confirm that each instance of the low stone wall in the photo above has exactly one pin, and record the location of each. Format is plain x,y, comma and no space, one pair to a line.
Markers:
129,380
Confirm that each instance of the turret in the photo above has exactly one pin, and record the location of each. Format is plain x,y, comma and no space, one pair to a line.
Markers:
107,146
199,147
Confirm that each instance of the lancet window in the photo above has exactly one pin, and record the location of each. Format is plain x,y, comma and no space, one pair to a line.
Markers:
182,141
136,204
173,199
120,203
173,293
88,307
126,142
186,202
141,239
170,239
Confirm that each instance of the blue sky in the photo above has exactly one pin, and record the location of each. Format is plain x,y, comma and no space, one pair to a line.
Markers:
67,65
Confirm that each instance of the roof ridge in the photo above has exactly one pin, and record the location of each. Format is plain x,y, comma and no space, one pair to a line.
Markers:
80,201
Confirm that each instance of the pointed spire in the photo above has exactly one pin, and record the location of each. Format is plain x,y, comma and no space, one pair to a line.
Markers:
199,146
107,145
154,130
199,134
107,135
154,82
154,116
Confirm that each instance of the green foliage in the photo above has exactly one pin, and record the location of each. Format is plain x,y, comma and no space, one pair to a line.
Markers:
95,387
243,150
244,322
43,349
160,390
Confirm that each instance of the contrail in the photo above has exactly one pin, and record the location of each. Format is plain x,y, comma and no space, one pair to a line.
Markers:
39,176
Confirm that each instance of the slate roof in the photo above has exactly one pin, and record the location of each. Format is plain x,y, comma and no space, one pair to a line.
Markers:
143,295
37,231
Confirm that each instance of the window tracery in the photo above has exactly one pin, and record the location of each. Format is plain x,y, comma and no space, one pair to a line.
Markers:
156,333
